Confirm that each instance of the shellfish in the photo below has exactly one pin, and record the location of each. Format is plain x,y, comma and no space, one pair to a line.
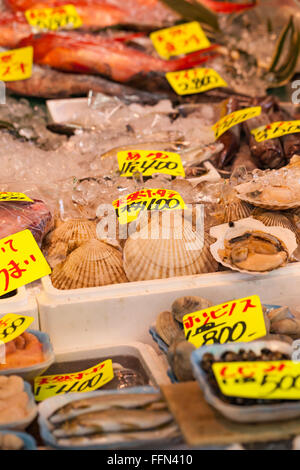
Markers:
179,355
188,304
94,263
167,327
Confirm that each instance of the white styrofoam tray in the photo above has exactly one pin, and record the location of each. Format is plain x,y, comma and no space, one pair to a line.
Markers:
23,303
108,314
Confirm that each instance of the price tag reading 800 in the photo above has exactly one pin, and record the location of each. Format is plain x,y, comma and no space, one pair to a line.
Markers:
13,325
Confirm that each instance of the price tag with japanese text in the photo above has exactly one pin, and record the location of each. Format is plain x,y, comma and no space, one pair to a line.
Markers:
16,64
149,162
259,379
198,80
75,382
239,320
65,17
129,207
9,196
21,261
275,130
235,118
13,325
180,39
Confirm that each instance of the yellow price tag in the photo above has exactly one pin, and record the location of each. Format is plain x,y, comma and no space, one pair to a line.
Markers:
181,39
149,162
275,130
198,80
259,379
75,382
13,325
65,16
129,207
9,196
16,64
21,261
235,118
230,322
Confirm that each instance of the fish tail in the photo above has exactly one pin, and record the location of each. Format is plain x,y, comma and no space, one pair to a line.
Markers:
193,59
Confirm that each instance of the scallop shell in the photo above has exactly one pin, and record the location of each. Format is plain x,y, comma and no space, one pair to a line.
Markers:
167,327
224,232
188,304
74,230
247,191
94,263
166,250
236,210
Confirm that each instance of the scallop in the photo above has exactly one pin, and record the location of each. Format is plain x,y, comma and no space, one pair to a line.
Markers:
168,249
94,263
276,219
236,210
188,304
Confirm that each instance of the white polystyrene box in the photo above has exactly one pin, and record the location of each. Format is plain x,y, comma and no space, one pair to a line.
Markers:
24,303
98,315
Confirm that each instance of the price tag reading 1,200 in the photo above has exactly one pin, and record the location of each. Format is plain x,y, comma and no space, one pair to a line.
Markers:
13,325
65,16
234,321
149,162
21,261
129,207
198,80
259,379
75,382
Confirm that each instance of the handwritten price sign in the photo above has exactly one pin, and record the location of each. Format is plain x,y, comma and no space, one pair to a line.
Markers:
234,321
78,382
16,64
181,39
186,82
269,380
235,118
149,162
129,207
21,261
52,19
276,129
13,325
9,196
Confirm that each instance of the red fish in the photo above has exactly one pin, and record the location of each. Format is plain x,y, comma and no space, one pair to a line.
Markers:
84,53
226,7
13,28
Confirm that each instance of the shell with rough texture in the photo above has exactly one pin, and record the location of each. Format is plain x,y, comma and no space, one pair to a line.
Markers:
167,327
188,304
167,250
179,356
276,219
94,263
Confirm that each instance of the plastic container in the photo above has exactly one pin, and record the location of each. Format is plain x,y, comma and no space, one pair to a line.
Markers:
32,412
243,414
62,111
29,442
22,302
47,407
108,314
30,372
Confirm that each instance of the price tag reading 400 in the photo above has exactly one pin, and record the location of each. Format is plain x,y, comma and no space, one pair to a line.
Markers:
13,325
259,379
234,321
186,82
75,382
21,261
149,162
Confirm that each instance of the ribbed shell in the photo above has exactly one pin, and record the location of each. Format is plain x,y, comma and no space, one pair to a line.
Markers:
148,258
93,264
236,210
276,219
75,230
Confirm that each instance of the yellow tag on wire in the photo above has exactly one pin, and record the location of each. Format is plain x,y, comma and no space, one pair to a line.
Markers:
275,130
198,80
51,19
13,325
149,162
235,118
16,64
13,197
180,39
21,261
129,207
259,379
230,322
76,382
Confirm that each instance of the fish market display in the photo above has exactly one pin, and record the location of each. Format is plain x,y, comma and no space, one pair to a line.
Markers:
23,351
13,399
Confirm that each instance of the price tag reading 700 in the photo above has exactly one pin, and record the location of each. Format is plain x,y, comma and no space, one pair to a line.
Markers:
234,321
13,325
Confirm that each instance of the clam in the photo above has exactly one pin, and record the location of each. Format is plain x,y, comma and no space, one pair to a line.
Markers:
179,355
167,249
278,314
94,263
287,326
188,304
167,327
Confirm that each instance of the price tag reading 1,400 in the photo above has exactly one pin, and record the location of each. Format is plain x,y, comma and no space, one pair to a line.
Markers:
180,39
13,325
198,80
21,261
259,379
65,16
16,64
149,162
234,321
75,382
